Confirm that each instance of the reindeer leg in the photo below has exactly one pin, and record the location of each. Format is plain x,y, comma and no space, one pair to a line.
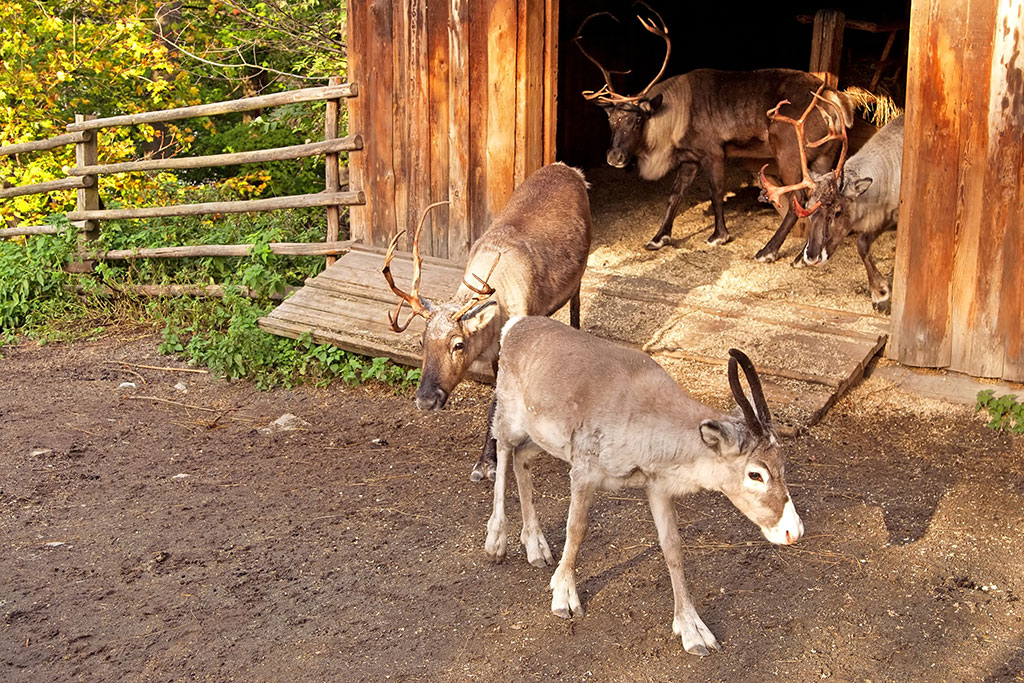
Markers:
770,252
485,466
684,176
565,601
714,167
697,638
537,551
881,294
497,531
574,309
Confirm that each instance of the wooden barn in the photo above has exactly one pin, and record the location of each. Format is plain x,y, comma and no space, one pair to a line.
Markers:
461,99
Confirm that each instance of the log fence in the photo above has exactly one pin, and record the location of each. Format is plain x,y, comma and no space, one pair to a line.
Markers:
83,178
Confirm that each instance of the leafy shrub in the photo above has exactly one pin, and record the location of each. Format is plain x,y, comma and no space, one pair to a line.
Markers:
1005,412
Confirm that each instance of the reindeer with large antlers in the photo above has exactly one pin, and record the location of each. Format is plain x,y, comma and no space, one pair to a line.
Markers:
530,261
698,119
860,195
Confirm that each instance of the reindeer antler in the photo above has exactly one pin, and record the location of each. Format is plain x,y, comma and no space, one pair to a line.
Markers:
759,421
484,291
416,304
606,93
773,192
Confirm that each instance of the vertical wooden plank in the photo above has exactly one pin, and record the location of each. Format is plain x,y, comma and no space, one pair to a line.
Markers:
827,45
87,154
438,79
529,89
479,99
551,44
458,131
971,277
418,127
356,19
1006,135
332,180
503,28
400,157
925,240
380,194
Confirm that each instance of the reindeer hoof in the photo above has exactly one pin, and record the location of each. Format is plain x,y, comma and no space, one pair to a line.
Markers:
483,470
717,239
766,256
656,244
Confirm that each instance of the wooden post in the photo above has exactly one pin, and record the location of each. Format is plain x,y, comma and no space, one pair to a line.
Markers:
459,227
86,154
331,179
827,45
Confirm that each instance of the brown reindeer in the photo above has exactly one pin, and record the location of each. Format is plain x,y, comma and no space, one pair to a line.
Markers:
698,119
528,262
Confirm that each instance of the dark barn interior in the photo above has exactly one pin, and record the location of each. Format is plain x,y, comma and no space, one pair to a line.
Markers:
711,35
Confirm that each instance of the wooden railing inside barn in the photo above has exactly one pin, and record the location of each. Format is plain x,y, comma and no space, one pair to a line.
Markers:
83,177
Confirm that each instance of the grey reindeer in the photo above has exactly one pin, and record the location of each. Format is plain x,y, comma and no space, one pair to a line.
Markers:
620,420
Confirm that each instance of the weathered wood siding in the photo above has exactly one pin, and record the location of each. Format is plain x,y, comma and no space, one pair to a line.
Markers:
457,102
958,298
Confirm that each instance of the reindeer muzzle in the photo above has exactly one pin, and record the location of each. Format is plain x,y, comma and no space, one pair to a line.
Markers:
617,158
788,529
431,398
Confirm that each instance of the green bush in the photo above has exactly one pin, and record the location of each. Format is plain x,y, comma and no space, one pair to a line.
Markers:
1005,412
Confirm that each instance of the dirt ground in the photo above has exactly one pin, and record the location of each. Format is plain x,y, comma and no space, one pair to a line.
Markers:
160,534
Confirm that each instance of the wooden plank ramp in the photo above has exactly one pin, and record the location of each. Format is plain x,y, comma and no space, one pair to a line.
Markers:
806,356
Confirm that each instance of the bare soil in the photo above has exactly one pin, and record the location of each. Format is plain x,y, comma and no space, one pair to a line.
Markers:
154,534
153,540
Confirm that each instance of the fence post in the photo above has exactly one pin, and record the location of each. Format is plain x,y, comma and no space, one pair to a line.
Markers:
332,179
86,154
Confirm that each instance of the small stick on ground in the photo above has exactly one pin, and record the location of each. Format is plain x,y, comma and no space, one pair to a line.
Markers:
187,405
157,367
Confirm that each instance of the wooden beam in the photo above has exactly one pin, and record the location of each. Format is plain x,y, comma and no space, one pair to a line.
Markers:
232,106
333,146
332,172
48,186
827,45
438,118
273,204
42,145
88,199
925,242
550,80
205,250
356,19
458,131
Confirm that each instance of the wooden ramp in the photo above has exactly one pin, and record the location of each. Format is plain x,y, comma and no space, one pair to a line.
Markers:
806,356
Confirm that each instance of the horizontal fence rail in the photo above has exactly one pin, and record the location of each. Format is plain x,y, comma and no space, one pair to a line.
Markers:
327,92
311,149
48,186
299,201
204,250
49,143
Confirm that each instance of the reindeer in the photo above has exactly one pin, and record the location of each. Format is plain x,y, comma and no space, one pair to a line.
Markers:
533,256
697,120
860,195
620,420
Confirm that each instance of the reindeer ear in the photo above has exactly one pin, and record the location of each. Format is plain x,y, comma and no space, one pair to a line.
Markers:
652,105
855,187
479,317
718,436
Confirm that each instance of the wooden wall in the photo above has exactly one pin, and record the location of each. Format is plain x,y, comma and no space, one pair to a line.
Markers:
959,276
457,102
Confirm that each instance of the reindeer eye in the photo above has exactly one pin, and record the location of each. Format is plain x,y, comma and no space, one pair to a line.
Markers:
756,476
458,346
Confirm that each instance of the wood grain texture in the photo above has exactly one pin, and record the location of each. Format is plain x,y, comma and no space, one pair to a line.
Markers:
438,120
459,131
357,18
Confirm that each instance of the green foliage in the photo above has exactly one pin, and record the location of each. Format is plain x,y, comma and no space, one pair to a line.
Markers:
33,284
1005,412
223,336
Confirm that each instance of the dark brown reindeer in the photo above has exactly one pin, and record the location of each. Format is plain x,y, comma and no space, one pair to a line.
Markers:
698,119
528,262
